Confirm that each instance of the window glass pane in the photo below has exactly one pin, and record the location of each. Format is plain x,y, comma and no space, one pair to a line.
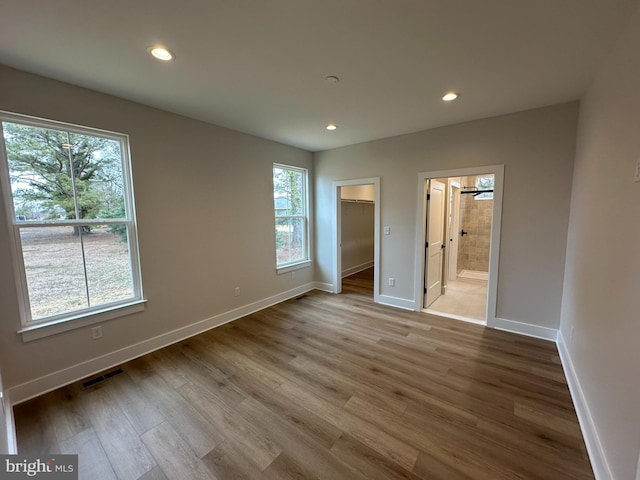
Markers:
288,192
484,183
97,169
289,240
106,250
54,270
40,172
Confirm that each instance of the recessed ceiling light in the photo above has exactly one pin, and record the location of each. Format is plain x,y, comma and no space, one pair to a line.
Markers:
450,96
161,53
331,126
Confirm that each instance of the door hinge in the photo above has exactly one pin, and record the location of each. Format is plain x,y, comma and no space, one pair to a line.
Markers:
428,196
425,289
426,244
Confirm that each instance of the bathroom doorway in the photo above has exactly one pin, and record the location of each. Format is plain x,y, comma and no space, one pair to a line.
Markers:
460,220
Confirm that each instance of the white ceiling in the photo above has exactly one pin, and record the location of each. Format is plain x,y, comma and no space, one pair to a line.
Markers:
259,66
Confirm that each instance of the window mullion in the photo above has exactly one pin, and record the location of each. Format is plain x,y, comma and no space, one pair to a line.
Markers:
71,222
21,275
77,210
73,178
84,264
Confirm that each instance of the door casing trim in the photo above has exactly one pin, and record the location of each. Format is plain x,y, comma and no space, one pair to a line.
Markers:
336,229
496,225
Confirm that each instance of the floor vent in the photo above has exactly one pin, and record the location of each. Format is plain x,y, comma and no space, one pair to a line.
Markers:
100,378
113,373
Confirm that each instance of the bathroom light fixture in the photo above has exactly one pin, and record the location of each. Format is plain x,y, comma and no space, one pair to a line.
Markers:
161,53
331,126
450,96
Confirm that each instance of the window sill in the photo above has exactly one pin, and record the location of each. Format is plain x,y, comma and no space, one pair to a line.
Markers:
293,267
46,329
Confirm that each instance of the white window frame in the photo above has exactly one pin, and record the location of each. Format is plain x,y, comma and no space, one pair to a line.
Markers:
306,259
33,329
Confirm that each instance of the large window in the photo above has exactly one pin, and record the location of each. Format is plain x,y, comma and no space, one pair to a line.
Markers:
291,212
70,204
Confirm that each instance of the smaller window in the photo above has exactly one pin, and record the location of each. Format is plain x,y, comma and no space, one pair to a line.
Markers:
484,183
290,202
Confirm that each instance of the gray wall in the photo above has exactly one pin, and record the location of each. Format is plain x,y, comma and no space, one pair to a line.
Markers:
205,209
537,148
602,281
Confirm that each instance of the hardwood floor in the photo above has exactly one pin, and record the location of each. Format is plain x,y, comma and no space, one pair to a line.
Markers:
323,387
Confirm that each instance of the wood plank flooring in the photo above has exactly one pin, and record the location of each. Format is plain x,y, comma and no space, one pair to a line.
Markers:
323,387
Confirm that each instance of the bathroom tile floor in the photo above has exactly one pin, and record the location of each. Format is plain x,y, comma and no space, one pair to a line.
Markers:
465,299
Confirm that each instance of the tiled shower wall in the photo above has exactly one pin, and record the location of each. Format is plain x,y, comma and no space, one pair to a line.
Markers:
475,218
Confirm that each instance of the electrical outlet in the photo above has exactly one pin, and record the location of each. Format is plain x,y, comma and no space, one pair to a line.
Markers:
96,332
387,230
392,282
236,292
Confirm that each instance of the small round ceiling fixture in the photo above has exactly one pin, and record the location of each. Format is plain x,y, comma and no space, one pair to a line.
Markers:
331,126
161,53
450,96
332,79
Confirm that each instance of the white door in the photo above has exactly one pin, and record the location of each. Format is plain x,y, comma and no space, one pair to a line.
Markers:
454,232
435,242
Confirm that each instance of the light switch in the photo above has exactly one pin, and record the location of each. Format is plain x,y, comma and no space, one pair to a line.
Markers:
387,230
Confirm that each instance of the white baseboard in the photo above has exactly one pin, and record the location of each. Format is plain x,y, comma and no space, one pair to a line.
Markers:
528,329
474,274
397,302
598,459
358,268
325,287
52,381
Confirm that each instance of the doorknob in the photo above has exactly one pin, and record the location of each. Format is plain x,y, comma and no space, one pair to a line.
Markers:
463,233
